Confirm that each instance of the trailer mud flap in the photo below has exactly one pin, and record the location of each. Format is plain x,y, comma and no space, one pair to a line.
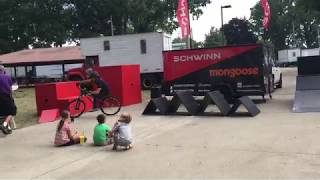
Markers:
307,95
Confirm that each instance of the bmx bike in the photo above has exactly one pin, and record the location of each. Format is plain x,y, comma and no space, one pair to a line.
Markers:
108,105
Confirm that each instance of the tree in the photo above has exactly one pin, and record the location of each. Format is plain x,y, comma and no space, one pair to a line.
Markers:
91,18
307,27
213,38
50,23
309,4
290,25
237,31
279,27
37,23
46,23
194,44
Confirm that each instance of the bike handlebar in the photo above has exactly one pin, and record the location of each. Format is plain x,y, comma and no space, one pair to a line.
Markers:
85,91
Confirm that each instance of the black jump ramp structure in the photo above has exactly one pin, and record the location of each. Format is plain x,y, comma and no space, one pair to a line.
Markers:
216,98
248,104
163,106
307,95
160,106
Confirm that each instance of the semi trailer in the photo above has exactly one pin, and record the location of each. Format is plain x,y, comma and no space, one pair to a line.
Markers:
233,70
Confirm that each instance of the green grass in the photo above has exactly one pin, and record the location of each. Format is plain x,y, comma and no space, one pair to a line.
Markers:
27,110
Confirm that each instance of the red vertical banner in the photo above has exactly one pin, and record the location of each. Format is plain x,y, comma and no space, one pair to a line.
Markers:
266,13
183,17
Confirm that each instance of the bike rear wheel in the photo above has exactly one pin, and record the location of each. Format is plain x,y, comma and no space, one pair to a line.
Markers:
76,108
110,105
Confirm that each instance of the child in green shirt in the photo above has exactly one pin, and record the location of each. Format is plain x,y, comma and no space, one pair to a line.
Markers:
101,131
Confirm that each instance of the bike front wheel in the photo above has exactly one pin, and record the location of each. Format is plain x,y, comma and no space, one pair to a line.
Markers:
110,105
76,108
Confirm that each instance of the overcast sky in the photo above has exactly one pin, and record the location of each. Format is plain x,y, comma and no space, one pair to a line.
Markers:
212,16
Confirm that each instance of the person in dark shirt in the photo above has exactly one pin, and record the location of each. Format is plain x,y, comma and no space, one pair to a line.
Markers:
8,108
99,89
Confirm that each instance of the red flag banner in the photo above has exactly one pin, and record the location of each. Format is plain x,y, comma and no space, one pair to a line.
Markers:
266,13
183,17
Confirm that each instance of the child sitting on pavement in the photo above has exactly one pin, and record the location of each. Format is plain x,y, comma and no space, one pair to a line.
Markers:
66,134
121,132
101,131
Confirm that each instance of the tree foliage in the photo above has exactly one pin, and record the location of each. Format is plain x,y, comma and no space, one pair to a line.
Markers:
238,31
194,44
290,26
38,23
309,4
45,23
214,38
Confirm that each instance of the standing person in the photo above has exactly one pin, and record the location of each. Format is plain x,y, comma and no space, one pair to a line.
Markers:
121,132
66,134
101,131
8,108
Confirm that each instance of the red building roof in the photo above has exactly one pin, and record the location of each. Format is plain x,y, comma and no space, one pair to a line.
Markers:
43,56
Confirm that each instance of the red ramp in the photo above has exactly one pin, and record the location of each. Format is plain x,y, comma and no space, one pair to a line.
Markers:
48,115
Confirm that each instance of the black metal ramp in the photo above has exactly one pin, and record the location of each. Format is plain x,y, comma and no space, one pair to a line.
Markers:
159,105
187,100
307,95
308,83
307,101
216,98
248,104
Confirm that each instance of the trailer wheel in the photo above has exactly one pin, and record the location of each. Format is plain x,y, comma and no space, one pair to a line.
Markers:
147,82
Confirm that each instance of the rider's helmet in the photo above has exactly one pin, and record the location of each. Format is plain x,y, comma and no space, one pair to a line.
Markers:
89,71
93,75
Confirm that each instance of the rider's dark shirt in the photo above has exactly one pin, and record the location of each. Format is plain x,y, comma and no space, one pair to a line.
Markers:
103,85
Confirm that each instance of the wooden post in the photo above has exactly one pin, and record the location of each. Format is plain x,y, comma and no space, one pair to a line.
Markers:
63,72
15,71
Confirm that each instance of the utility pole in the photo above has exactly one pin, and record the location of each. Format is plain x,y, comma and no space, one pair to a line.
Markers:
222,7
112,33
111,25
293,35
318,37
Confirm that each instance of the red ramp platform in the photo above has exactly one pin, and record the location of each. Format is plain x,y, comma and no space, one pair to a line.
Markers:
49,115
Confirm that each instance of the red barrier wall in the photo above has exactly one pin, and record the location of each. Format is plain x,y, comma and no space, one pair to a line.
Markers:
131,87
124,82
